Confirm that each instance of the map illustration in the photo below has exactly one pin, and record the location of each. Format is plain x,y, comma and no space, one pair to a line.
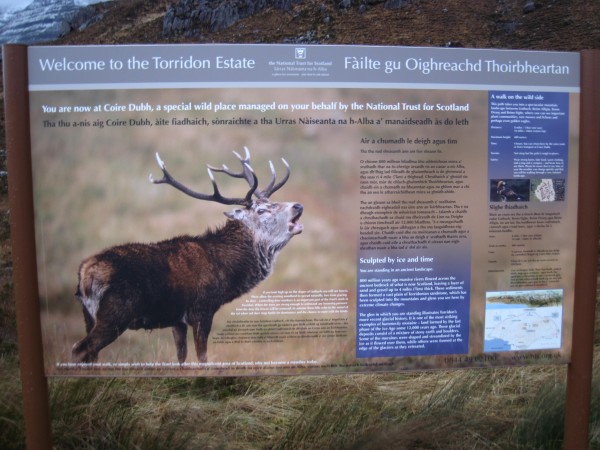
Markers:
523,320
548,190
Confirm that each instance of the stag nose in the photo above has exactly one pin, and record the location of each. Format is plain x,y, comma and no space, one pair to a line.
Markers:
298,208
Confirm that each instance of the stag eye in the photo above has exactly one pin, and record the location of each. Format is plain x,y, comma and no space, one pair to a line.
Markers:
261,210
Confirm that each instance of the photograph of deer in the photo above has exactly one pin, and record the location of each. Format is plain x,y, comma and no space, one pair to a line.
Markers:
185,280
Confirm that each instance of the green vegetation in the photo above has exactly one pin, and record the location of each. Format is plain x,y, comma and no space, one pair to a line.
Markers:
504,408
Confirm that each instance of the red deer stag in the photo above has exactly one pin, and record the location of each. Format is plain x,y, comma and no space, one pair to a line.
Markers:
185,280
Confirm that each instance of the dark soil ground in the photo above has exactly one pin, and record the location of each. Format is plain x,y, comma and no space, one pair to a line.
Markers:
570,25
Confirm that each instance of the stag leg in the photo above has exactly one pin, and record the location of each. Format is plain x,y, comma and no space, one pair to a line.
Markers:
99,337
89,320
107,328
180,336
200,343
201,331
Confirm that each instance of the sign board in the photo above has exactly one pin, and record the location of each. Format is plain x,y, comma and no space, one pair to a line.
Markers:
438,192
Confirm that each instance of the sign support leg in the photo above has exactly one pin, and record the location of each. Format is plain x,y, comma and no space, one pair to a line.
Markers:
18,143
579,375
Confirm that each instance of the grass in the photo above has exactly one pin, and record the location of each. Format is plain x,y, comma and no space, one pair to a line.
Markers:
542,423
108,414
498,408
12,424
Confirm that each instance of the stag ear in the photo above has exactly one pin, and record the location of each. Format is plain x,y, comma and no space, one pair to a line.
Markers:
235,214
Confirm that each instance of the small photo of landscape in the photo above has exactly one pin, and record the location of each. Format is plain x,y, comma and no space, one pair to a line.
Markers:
531,299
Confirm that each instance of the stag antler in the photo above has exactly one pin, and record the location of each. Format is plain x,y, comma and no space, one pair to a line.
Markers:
272,187
249,175
216,196
246,172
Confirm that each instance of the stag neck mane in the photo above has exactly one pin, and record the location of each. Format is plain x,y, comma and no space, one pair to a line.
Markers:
235,236
232,231
265,249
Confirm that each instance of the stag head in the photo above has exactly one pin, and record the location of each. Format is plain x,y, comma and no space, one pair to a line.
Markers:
272,222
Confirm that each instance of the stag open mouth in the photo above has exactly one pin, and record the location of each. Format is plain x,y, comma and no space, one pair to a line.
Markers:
293,226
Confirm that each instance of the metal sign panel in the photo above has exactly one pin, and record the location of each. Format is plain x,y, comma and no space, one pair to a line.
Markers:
427,222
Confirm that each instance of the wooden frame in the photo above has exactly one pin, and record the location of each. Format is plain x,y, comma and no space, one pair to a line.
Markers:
35,393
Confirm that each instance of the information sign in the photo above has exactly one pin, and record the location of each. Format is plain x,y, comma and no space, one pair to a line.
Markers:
428,220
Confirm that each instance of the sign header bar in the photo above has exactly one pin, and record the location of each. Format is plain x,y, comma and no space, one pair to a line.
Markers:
106,66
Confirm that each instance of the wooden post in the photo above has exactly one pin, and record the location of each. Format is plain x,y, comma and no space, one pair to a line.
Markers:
20,188
579,375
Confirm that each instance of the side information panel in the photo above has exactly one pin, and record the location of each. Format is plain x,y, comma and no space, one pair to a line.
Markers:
428,218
